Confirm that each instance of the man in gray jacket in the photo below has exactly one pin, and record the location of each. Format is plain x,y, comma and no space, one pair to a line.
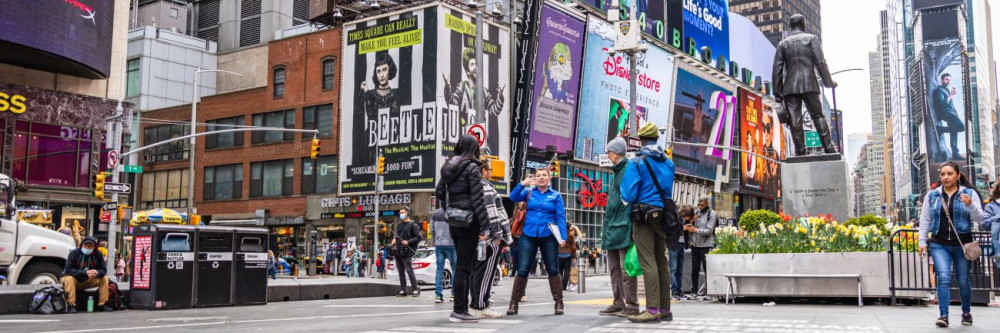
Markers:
444,248
702,240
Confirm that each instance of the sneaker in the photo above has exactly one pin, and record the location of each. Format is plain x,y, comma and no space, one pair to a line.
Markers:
645,317
627,312
105,308
452,298
610,310
674,297
666,316
438,300
70,308
462,318
966,319
489,313
942,322
401,293
416,292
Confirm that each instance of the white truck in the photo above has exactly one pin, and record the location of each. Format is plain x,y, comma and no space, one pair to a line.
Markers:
29,254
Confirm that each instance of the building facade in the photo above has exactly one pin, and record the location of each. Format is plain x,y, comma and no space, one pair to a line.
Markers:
771,16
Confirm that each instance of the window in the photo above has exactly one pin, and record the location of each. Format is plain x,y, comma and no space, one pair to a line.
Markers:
284,119
53,155
224,182
174,12
279,82
224,140
328,74
318,118
320,175
164,189
132,78
271,178
177,150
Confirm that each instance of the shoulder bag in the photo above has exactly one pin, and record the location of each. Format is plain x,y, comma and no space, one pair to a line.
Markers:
666,215
517,222
455,217
971,249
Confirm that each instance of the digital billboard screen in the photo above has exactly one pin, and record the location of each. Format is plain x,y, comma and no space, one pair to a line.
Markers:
68,37
557,83
703,113
760,133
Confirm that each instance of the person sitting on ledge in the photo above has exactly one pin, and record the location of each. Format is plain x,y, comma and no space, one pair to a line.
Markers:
85,269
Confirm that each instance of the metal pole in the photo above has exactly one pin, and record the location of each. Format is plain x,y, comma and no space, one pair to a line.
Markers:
115,137
632,96
480,89
191,150
378,179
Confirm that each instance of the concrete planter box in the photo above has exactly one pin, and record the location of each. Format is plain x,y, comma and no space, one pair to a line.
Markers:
873,267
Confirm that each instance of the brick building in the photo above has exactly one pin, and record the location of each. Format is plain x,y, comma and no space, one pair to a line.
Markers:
237,174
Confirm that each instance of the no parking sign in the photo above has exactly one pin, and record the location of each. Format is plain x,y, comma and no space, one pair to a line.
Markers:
478,131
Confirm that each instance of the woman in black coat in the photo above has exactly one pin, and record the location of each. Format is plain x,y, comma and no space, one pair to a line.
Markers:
460,187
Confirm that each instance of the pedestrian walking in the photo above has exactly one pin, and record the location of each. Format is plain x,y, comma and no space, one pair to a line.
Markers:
544,230
444,250
460,187
355,262
493,238
407,239
567,254
991,219
616,237
648,188
702,233
677,254
272,264
948,214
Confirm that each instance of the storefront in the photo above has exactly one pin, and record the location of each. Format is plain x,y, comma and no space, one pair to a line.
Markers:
341,219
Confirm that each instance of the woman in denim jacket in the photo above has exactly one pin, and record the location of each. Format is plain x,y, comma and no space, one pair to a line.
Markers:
955,197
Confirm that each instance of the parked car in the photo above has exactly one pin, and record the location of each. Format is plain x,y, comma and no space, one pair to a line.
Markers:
425,268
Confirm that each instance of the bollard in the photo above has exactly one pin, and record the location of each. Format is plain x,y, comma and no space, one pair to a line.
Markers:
581,288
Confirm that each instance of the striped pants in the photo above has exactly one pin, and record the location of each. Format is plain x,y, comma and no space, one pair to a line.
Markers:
483,274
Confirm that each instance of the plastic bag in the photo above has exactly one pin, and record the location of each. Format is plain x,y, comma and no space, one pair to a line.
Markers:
632,267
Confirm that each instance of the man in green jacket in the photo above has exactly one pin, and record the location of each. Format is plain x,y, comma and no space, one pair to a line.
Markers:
617,238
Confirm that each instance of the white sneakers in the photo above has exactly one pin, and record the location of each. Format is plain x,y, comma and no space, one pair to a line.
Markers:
486,313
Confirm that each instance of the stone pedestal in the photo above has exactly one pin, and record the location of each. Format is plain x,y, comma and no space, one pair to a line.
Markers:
816,188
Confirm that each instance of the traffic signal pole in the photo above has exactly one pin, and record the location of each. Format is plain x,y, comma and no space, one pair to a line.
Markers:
115,137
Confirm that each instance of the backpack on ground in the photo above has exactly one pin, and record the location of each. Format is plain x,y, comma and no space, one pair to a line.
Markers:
116,299
48,300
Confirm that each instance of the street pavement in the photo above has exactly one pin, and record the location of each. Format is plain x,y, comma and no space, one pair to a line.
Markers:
420,314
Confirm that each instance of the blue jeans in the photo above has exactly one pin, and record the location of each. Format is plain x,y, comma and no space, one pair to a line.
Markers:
944,257
442,253
528,246
676,264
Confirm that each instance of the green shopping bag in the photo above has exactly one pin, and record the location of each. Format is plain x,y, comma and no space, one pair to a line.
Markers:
632,267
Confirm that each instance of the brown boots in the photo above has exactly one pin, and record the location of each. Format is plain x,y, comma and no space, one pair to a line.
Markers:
515,295
555,286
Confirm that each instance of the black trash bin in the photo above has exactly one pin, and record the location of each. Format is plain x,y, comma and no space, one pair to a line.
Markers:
250,280
214,273
162,267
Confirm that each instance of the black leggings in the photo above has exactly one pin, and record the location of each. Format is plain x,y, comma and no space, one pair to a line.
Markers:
697,263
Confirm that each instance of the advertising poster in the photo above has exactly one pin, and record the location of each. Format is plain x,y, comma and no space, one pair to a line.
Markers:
604,111
69,36
651,14
699,108
457,80
945,125
557,81
759,133
707,22
141,261
388,101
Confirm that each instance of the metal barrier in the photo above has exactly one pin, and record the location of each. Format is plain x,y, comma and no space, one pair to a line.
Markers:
910,272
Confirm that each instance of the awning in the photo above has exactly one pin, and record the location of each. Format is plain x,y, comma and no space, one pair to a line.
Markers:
235,223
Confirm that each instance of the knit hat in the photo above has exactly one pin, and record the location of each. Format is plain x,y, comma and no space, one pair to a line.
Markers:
617,146
649,131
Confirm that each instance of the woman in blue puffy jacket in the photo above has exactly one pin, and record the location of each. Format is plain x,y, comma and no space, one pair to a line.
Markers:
948,214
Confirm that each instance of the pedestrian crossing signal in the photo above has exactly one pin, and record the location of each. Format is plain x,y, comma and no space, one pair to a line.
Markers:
97,181
314,152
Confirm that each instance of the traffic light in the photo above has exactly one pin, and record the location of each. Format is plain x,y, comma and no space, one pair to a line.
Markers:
314,152
555,168
381,165
98,185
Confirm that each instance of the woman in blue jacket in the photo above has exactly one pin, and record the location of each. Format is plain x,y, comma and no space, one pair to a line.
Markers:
545,207
991,218
948,214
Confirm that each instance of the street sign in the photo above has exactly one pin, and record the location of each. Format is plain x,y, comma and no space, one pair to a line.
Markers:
812,139
105,216
109,206
112,159
118,188
478,131
134,168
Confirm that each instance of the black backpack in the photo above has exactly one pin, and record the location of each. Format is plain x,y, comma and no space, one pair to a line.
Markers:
116,299
48,300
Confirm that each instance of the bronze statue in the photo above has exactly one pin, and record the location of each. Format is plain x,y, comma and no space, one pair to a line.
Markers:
796,61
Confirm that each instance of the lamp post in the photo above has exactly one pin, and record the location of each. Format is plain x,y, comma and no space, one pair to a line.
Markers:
834,89
194,125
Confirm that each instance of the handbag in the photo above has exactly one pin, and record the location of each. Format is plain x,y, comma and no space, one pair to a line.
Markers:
454,216
971,250
48,300
517,222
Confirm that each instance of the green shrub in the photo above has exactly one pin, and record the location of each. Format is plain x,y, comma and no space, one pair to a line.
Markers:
751,220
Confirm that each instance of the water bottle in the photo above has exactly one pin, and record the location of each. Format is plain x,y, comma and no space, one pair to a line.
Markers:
90,303
481,251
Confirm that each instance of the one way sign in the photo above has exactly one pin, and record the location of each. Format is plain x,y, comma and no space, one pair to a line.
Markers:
118,188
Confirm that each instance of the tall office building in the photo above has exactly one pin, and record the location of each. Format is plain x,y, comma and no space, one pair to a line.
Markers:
771,16
875,170
981,76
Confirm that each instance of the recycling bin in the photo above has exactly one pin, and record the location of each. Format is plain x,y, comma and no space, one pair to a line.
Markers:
250,266
162,267
214,270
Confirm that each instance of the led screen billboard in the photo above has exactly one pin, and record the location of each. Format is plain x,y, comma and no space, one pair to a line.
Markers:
703,113
760,133
557,82
68,36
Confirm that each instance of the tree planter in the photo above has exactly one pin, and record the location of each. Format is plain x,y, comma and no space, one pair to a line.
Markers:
873,267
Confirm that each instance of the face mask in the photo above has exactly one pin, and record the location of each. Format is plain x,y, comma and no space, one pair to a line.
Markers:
402,216
87,251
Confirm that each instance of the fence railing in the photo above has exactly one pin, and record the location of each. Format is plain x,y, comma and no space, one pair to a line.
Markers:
908,271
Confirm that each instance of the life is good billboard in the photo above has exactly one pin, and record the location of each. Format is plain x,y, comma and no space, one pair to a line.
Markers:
604,97
557,81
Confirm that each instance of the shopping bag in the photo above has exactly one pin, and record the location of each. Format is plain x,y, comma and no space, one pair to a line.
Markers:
632,267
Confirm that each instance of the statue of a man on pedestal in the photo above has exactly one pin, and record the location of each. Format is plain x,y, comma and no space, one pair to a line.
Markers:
796,61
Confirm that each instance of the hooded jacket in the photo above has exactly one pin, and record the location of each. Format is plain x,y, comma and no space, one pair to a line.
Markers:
460,187
637,185
77,264
617,233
